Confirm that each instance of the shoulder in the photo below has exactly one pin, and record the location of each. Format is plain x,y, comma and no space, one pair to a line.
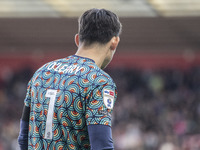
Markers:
99,76
52,64
46,67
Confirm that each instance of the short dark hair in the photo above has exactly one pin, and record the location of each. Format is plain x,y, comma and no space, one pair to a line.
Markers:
98,25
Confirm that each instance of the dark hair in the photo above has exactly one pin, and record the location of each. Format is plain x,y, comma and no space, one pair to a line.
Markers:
98,25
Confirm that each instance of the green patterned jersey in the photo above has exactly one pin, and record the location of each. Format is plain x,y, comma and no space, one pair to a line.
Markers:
65,96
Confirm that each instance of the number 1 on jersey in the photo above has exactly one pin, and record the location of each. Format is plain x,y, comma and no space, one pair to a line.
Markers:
48,130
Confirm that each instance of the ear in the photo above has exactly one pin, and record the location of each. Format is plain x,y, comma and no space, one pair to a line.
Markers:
114,42
76,39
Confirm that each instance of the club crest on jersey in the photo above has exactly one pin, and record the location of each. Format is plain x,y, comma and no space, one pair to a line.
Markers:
108,98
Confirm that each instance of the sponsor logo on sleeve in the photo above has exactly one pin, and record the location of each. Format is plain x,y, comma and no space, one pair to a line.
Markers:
108,98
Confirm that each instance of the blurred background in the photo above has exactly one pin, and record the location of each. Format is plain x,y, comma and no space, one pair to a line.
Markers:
156,66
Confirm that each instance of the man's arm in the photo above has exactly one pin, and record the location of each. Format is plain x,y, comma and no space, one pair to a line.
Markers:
98,116
100,137
24,127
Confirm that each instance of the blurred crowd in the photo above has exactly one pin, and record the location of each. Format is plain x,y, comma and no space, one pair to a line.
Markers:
12,93
155,110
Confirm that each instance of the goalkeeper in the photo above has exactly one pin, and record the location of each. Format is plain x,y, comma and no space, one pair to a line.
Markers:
69,101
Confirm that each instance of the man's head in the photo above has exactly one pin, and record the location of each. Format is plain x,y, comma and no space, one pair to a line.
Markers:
99,31
98,26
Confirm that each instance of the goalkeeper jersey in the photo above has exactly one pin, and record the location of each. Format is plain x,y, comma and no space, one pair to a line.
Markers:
65,96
